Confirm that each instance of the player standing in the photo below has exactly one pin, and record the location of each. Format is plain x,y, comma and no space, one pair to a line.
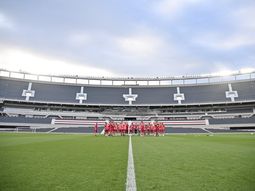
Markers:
95,129
157,129
142,129
106,128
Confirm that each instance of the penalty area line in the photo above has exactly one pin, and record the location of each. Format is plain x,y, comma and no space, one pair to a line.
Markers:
52,130
130,182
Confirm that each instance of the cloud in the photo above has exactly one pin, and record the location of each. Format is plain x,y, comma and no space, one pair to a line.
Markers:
171,8
238,32
244,16
5,22
79,39
140,46
149,53
130,38
221,42
19,59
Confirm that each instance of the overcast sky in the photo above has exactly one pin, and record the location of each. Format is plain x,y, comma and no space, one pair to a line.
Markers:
127,38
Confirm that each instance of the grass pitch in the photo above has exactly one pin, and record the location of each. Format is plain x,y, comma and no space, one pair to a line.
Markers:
84,162
62,162
193,162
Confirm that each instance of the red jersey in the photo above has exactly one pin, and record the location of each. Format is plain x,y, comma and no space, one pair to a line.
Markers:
96,128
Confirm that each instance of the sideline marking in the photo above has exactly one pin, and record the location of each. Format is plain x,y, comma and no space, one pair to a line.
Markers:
206,130
52,130
130,182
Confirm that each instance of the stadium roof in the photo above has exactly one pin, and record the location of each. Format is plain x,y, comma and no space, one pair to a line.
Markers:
174,80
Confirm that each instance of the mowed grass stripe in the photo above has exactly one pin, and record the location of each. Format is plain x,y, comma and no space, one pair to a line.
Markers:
195,162
62,162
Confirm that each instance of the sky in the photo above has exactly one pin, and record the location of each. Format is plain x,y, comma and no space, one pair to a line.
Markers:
134,38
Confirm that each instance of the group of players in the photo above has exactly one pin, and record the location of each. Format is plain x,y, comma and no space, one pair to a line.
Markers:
122,128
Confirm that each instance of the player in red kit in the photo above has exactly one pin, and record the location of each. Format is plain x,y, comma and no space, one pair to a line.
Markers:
111,128
106,129
122,128
95,129
163,129
147,127
142,129
157,129
131,128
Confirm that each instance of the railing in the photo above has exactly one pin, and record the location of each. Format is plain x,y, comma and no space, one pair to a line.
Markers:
132,81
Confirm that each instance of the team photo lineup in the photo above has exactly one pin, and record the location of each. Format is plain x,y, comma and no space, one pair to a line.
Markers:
135,128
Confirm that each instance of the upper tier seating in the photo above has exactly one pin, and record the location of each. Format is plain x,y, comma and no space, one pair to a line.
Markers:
100,95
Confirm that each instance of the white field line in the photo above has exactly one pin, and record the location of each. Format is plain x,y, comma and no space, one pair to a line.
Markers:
206,130
52,130
130,182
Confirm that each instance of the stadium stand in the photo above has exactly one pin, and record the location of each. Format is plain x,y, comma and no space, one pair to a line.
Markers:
205,93
156,95
7,119
184,130
37,104
77,130
233,120
54,93
13,89
246,90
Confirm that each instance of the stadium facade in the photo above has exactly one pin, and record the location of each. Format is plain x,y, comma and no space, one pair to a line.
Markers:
202,103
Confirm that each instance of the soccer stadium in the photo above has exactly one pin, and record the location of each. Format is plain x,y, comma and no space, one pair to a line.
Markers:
188,104
127,95
205,110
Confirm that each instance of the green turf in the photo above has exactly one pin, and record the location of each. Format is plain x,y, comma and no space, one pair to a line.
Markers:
193,162
62,162
84,162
